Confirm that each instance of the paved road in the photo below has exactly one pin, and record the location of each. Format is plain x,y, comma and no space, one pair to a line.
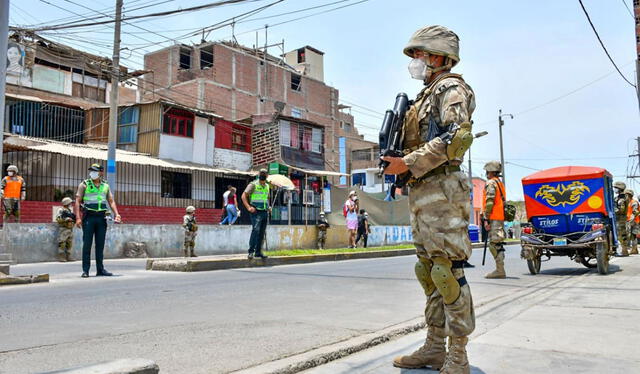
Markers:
216,322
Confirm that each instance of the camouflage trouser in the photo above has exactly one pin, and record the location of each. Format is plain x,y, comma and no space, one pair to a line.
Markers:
623,234
65,240
496,237
439,208
11,208
322,238
189,240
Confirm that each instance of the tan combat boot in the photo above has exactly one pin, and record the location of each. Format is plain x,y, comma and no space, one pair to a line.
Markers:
68,256
193,252
456,361
61,257
499,273
431,354
634,249
624,252
186,252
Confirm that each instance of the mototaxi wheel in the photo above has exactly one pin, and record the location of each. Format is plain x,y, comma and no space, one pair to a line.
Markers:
534,265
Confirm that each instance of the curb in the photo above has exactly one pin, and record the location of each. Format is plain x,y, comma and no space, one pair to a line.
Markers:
24,279
210,264
123,366
319,356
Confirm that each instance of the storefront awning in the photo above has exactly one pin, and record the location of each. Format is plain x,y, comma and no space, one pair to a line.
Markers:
324,173
99,152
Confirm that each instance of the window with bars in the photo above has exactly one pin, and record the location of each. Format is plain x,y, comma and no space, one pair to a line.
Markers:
240,139
178,123
175,185
185,58
306,138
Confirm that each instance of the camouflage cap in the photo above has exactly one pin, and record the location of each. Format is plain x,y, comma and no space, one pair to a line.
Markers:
66,201
494,166
620,185
628,192
437,40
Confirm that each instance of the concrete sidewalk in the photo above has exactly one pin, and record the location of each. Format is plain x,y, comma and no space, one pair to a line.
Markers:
580,324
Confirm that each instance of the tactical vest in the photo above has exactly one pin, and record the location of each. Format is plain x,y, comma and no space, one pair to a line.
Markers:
622,205
497,214
95,198
13,188
260,196
425,107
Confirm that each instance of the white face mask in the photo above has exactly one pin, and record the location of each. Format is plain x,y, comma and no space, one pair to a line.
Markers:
354,198
418,69
11,173
94,175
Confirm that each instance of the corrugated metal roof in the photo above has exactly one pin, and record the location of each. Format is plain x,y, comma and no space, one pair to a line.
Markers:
100,152
200,112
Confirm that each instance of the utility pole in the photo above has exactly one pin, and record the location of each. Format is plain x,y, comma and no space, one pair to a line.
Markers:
113,112
4,38
636,14
500,124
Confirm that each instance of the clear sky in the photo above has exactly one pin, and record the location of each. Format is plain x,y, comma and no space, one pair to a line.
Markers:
536,59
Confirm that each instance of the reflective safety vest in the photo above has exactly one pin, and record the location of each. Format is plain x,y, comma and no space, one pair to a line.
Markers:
13,188
497,214
95,198
633,203
260,196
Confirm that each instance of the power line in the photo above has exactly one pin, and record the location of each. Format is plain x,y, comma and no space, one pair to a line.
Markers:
157,14
602,44
629,10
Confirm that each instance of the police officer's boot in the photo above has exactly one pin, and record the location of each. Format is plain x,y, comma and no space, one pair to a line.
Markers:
431,354
499,273
456,361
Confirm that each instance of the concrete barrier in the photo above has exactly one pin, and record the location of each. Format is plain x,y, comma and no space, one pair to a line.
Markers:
123,366
31,242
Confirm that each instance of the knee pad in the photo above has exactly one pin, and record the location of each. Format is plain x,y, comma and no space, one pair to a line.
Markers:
444,280
423,273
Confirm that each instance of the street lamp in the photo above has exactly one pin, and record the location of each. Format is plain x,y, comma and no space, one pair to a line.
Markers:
500,124
472,214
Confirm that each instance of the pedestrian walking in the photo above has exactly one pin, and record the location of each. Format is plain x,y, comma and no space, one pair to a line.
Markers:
323,226
230,206
439,197
493,216
621,208
351,214
256,200
95,197
190,231
66,220
363,228
13,189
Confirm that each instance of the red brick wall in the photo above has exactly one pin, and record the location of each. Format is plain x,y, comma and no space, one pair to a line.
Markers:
40,212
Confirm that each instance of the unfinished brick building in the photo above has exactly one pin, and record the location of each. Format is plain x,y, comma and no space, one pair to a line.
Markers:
238,82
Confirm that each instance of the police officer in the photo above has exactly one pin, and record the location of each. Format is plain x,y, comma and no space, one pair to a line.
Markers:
94,195
65,219
633,222
12,191
493,216
437,133
622,206
256,199
190,231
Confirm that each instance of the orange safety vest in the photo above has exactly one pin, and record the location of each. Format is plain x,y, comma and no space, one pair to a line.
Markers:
497,214
630,211
13,188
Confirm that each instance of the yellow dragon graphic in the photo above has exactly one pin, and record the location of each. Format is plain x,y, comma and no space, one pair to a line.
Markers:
562,195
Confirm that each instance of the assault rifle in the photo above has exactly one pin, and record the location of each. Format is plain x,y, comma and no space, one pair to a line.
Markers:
67,214
390,138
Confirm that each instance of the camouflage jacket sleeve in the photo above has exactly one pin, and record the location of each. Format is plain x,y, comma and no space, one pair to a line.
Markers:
59,218
3,184
24,185
185,221
455,102
490,187
621,207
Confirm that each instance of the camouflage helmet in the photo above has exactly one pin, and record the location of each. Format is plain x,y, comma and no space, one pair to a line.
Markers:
629,192
493,166
437,40
620,185
191,209
66,201
12,168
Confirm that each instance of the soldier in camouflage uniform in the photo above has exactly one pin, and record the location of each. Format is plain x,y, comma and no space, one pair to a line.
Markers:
190,232
493,217
622,205
66,220
633,222
323,225
436,133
